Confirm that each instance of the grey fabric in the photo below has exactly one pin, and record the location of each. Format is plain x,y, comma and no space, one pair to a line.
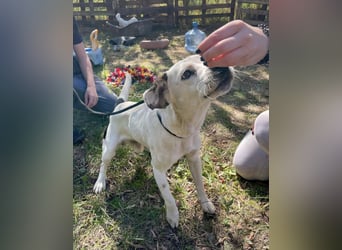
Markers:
251,158
261,130
107,99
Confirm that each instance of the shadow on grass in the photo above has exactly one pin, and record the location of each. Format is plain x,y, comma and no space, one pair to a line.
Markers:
138,208
244,98
255,189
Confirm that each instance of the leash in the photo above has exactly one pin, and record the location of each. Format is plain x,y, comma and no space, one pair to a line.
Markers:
120,100
161,122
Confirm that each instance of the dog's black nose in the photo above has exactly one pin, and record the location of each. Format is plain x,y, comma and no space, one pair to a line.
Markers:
222,73
220,69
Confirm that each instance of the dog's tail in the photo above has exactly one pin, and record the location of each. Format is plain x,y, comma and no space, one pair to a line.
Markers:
125,89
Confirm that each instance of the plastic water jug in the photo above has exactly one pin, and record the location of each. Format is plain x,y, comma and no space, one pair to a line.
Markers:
193,38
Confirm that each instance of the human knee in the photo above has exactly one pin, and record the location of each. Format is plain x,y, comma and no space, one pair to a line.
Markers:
250,160
261,130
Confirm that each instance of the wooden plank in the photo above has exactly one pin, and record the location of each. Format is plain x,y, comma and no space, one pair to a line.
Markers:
145,3
204,9
254,1
176,12
130,9
254,11
163,10
127,11
151,2
138,2
200,8
207,16
83,9
87,5
255,22
232,10
91,6
109,7
218,5
145,10
134,2
171,16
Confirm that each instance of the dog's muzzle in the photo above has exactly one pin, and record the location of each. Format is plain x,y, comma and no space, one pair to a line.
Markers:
223,76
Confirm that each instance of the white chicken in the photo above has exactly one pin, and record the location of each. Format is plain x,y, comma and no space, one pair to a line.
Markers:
124,23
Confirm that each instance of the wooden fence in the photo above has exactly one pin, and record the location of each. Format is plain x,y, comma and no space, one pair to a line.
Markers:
174,12
253,11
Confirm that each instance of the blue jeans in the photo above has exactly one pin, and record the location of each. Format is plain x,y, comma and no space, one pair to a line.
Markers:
107,99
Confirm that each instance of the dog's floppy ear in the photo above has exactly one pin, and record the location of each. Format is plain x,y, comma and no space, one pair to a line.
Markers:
156,96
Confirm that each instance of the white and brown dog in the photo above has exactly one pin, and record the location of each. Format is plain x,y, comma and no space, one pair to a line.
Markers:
168,125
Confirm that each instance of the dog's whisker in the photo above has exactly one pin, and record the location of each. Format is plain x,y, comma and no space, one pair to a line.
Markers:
237,74
238,77
210,98
206,85
204,89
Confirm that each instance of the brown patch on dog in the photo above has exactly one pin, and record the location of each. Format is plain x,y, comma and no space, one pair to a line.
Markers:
155,97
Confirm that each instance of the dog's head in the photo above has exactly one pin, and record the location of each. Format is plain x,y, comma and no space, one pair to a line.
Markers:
189,81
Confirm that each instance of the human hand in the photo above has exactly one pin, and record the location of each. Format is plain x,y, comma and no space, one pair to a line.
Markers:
234,44
90,96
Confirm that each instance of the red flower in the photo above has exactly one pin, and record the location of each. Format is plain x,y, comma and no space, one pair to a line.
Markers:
140,74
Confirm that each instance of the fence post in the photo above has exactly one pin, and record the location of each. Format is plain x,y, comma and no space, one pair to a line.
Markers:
91,7
171,12
232,10
109,6
176,13
262,17
84,18
204,10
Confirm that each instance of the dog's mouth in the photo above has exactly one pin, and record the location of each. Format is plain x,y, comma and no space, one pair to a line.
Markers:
222,77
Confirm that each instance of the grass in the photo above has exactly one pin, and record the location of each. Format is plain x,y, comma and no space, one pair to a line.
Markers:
131,213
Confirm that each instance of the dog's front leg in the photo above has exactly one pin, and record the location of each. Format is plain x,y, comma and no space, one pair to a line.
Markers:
109,145
196,171
172,214
100,183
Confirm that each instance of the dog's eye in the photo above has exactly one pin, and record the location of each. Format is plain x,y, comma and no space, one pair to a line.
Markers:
187,74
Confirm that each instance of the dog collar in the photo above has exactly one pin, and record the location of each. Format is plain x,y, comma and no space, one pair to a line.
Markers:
161,122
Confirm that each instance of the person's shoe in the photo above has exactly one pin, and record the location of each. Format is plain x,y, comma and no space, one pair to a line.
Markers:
78,136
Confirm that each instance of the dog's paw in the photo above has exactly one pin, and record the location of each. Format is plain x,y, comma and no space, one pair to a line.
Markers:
208,207
100,185
172,218
173,221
